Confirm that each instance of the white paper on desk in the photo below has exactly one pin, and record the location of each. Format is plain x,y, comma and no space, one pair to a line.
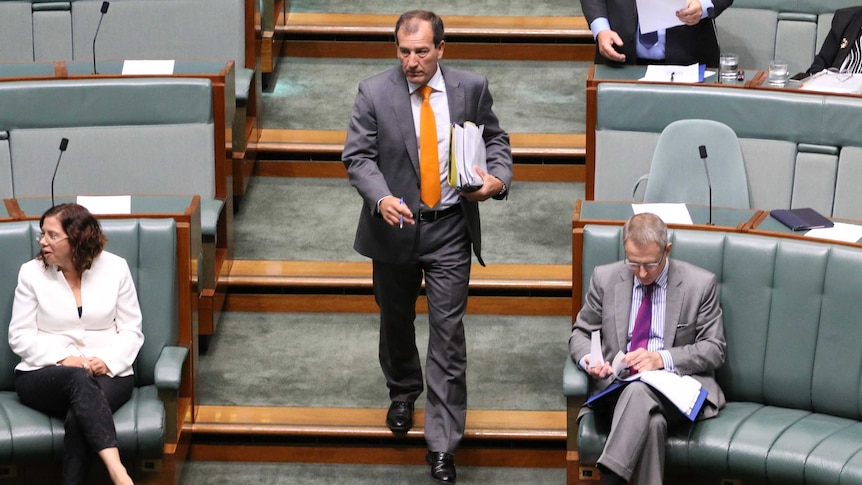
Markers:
596,348
659,14
135,67
669,213
676,74
106,204
833,82
839,232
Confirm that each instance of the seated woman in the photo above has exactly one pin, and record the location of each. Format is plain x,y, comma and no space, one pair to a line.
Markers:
76,324
841,49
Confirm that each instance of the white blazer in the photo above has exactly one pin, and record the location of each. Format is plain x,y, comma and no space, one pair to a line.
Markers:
45,326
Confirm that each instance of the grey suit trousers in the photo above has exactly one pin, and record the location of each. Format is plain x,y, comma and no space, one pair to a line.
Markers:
635,449
443,257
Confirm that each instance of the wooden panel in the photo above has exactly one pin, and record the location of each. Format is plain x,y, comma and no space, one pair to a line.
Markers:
396,454
494,49
456,25
477,305
522,172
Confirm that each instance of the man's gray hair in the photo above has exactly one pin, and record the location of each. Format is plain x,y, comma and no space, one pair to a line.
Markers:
645,229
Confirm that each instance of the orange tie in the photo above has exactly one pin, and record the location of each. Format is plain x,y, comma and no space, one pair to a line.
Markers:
429,158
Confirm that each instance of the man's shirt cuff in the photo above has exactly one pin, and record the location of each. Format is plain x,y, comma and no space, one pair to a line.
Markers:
600,24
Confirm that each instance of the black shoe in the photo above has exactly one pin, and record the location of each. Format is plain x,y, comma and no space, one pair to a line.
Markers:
400,416
609,477
442,466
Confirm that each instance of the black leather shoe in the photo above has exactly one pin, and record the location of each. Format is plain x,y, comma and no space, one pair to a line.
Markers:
442,466
400,416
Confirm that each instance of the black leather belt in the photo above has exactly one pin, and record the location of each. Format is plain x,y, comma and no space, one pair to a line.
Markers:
430,216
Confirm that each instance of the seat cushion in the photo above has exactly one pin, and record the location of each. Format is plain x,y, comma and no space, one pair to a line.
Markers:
28,436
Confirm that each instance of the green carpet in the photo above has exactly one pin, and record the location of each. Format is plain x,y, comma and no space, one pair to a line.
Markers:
233,473
529,96
330,360
314,219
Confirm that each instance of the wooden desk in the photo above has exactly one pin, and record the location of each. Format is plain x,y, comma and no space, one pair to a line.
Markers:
767,225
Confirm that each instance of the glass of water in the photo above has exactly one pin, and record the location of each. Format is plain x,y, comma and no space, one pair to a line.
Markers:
778,73
728,64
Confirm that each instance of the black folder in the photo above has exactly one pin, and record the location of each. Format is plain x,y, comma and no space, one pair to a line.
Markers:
801,219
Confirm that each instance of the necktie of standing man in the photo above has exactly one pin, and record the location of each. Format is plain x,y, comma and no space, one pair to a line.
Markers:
429,158
649,39
643,322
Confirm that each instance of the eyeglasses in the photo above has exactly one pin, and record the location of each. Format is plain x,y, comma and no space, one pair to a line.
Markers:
647,266
52,237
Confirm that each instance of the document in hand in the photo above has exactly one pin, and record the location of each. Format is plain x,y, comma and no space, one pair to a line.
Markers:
466,151
685,392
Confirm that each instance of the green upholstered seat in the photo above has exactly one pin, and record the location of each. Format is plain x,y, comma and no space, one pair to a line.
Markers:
149,247
791,318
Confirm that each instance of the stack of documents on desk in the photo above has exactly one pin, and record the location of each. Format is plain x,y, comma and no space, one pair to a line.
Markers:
833,82
466,151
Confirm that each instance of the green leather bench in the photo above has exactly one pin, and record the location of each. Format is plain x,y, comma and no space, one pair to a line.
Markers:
800,149
29,438
792,377
126,136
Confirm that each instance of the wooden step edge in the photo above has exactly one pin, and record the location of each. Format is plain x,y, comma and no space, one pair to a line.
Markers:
311,23
368,423
317,274
332,142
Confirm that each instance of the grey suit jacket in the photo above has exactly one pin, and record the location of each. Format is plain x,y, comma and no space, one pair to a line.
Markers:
693,332
381,155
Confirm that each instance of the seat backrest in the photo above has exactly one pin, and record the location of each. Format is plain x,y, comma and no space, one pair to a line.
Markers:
128,135
791,314
677,173
148,246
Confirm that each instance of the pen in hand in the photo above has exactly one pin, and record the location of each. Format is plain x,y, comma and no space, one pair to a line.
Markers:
401,217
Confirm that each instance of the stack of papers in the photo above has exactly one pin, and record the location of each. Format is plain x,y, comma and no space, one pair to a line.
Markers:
685,392
466,151
674,74
833,82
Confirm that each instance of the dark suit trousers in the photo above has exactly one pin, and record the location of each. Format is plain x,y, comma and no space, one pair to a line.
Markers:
86,403
635,449
443,257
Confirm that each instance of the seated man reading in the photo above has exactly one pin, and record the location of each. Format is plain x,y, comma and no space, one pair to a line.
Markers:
662,314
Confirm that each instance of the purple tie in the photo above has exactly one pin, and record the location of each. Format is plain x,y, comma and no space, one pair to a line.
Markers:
649,39
643,321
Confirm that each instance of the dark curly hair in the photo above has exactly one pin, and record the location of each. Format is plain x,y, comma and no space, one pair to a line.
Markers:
84,231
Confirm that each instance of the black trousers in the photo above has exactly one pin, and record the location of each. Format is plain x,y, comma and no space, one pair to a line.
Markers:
86,403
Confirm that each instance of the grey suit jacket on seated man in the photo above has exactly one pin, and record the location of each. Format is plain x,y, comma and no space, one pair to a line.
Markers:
691,337
412,237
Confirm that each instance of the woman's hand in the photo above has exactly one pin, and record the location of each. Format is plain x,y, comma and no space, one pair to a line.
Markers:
97,366
94,365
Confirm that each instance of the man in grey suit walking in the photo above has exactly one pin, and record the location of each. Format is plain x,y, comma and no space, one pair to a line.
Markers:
414,225
681,331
